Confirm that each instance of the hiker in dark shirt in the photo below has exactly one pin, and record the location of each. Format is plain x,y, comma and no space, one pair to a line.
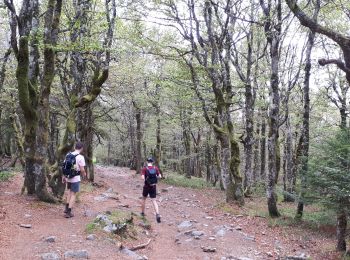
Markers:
150,175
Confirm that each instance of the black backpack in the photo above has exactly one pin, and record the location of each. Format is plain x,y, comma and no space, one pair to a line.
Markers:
68,166
151,176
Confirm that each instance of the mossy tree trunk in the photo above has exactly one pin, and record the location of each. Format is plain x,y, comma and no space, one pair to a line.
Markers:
18,132
263,146
53,137
138,151
256,169
210,54
185,115
100,74
34,102
288,166
5,59
52,20
341,229
273,30
302,151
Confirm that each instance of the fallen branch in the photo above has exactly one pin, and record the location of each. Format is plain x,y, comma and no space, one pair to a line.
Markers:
134,248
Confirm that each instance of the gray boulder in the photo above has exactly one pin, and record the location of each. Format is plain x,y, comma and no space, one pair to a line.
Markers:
50,239
185,224
82,254
91,237
50,256
132,254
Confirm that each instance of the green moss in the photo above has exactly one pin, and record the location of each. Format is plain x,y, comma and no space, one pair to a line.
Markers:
87,188
5,176
182,181
90,228
71,124
227,208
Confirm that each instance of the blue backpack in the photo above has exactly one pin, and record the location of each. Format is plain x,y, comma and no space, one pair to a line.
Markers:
151,176
68,166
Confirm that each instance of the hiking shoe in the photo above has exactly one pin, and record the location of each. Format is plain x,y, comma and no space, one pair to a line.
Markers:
158,218
143,214
69,214
66,209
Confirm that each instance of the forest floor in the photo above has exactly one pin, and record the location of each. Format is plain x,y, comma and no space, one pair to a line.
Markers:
193,220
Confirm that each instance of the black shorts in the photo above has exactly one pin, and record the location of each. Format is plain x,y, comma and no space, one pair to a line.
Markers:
151,190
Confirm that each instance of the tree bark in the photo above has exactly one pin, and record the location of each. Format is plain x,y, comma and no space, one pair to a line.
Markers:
138,154
263,146
303,153
52,21
2,79
288,178
249,139
53,137
273,29
341,230
186,137
256,169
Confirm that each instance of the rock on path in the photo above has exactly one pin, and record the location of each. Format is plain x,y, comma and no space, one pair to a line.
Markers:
82,254
50,256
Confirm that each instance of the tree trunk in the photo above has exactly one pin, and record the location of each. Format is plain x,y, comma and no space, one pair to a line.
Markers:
273,28
133,141
2,80
256,173
249,139
263,147
84,133
16,124
303,160
186,137
341,230
208,158
53,137
52,18
288,178
138,154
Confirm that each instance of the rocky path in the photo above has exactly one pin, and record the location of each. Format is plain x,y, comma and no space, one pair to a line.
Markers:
192,227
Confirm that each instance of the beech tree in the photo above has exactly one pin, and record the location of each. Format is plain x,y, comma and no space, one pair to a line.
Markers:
34,92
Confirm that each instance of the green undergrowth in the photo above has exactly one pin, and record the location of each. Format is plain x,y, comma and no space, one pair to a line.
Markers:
84,188
87,187
182,181
315,215
346,256
90,228
314,218
227,208
128,223
6,175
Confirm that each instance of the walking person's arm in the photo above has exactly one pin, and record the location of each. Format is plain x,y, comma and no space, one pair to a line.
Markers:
158,173
82,171
143,172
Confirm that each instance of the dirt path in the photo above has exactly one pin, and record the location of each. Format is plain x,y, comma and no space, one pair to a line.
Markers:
232,235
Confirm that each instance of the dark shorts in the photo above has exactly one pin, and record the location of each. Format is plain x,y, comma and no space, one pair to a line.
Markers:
151,190
73,186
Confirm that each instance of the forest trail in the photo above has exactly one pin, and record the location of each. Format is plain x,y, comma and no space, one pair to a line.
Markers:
233,236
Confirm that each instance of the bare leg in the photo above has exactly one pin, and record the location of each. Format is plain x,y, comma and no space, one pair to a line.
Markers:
143,204
68,197
155,205
72,196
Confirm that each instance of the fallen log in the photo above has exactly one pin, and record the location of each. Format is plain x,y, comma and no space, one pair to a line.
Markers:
134,248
